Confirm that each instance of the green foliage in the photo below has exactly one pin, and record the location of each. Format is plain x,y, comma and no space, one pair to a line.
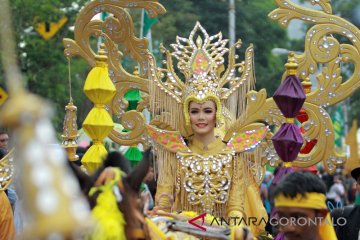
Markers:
46,69
255,27
43,64
179,19
252,26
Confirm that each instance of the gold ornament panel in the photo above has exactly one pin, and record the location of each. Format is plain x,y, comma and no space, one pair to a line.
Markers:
322,48
117,29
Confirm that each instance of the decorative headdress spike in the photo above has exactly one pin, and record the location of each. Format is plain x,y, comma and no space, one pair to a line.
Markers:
52,204
353,162
199,61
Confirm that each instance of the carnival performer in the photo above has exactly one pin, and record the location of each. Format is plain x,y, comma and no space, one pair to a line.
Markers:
201,168
351,214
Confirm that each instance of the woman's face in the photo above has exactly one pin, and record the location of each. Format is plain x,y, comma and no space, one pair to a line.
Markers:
202,117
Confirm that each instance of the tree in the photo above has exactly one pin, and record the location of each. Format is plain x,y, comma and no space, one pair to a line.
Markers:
43,64
252,26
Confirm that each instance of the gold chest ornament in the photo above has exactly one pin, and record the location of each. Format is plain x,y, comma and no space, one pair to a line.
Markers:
206,179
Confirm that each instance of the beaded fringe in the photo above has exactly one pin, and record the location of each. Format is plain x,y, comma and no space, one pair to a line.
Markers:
166,109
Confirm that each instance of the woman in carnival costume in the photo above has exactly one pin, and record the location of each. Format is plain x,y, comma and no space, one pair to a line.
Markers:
204,156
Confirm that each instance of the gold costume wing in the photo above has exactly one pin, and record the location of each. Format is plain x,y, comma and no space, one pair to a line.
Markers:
248,140
6,170
326,59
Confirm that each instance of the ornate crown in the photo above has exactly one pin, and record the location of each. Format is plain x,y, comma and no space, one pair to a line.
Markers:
201,62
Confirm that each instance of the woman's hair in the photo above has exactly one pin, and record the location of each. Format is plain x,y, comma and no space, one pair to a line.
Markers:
202,103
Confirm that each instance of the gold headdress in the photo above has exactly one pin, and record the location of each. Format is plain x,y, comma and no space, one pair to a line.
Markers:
201,62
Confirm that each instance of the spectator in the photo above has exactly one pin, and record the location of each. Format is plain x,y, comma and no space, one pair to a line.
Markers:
264,191
300,198
348,184
4,140
336,192
351,229
352,193
327,178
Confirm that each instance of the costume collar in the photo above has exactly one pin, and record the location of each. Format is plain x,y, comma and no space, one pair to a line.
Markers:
214,147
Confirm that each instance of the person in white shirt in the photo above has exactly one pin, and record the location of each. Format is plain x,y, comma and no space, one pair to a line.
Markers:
336,192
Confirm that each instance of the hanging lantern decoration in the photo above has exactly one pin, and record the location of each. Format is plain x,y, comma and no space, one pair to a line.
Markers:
98,124
133,153
289,97
70,131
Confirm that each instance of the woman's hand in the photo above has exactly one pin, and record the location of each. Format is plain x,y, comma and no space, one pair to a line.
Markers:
106,176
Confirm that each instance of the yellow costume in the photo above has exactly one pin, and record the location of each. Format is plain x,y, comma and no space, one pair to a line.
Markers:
217,178
210,179
7,227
